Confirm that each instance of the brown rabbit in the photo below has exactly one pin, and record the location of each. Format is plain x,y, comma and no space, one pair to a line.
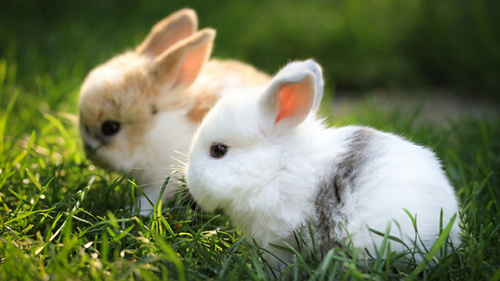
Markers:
139,110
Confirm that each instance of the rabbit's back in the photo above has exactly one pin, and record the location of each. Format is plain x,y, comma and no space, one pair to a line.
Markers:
372,181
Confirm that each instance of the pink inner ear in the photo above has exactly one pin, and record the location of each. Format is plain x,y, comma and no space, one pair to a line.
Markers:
192,66
294,100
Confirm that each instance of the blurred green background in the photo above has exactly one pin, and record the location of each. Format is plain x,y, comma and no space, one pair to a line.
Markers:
363,45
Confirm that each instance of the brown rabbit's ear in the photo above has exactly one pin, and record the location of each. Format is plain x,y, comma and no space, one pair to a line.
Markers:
183,62
169,31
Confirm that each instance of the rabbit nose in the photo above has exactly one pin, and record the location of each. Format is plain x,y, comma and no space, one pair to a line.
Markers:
101,138
87,148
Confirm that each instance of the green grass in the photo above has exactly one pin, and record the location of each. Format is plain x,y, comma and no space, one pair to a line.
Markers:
63,219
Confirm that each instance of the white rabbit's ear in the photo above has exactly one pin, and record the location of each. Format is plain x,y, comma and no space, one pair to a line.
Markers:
183,62
315,68
288,99
169,31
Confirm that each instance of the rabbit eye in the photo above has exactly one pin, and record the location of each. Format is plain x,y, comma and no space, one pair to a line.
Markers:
218,150
110,128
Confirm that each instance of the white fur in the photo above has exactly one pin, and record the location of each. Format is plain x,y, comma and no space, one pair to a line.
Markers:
161,156
267,181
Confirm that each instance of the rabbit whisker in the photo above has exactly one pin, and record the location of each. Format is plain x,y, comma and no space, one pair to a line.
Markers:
180,152
183,163
152,167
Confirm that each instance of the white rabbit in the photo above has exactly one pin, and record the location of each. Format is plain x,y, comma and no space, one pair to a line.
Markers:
272,166
139,111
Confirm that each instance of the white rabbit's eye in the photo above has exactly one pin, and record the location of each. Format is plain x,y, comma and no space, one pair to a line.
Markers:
110,128
218,150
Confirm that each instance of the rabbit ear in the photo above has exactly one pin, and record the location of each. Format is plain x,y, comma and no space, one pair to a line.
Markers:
289,98
294,92
315,68
169,31
183,62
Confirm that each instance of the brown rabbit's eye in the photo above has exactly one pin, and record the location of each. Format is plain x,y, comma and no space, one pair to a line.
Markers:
110,128
218,150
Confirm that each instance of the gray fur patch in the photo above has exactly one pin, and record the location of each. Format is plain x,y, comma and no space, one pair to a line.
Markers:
337,185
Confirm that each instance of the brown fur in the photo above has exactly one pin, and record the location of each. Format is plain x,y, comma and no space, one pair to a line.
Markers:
204,99
202,104
117,99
